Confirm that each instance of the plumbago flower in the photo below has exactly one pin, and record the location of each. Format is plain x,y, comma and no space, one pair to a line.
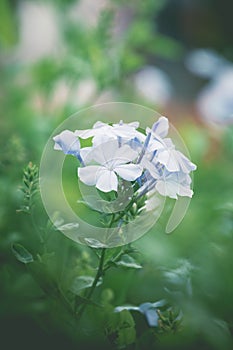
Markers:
128,167
120,152
114,162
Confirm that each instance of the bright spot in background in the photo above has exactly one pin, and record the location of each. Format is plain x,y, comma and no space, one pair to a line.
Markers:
205,63
215,101
153,85
38,31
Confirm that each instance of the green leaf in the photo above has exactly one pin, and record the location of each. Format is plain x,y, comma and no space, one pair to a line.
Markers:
126,319
82,282
68,227
94,243
126,329
129,262
126,336
21,253
113,253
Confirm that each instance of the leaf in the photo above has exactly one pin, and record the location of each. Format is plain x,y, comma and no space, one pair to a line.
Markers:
126,329
67,227
127,261
21,253
113,253
87,204
126,336
83,282
94,243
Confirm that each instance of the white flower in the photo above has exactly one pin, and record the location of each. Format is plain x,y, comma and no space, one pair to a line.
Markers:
173,184
115,150
174,160
164,149
160,128
99,128
67,142
168,183
127,131
103,132
171,158
113,160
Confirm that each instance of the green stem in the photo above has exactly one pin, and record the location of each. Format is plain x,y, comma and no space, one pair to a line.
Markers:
100,272
123,213
94,284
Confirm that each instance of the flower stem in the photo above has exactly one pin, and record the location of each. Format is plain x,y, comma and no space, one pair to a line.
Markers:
98,274
94,284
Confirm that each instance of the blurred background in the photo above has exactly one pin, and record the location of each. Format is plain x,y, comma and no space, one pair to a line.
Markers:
174,56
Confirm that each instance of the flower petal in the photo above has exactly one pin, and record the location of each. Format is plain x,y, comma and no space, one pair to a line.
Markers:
167,188
105,152
185,164
185,191
99,124
125,130
173,184
129,172
124,155
155,144
86,154
89,174
169,159
102,138
133,125
161,127
99,128
67,142
107,181
150,167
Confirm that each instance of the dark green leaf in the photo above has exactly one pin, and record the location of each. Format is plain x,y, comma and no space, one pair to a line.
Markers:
126,336
21,253
126,329
68,226
94,243
127,261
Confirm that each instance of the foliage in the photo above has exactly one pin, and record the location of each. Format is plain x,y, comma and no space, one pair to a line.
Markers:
30,187
45,277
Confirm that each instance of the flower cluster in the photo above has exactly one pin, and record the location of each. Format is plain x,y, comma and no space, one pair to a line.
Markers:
121,152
